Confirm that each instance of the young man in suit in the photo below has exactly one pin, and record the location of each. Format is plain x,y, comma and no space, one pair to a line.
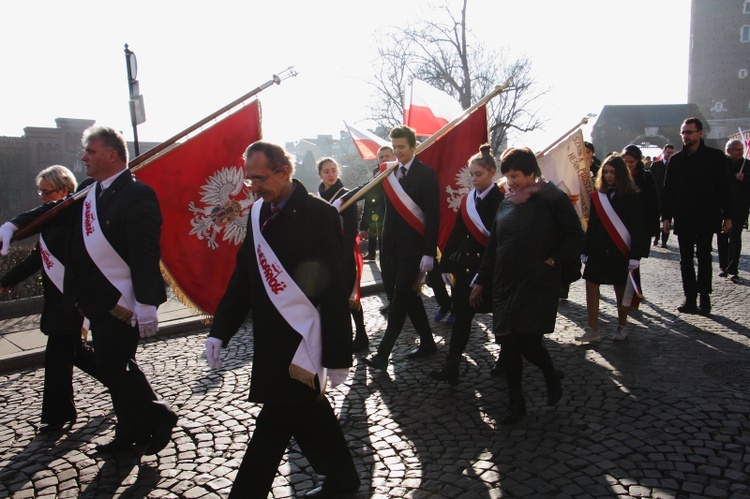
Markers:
410,234
290,274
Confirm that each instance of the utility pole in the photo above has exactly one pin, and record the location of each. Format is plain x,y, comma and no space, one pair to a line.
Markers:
137,110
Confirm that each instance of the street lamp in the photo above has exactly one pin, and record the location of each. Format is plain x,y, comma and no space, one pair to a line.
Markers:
137,110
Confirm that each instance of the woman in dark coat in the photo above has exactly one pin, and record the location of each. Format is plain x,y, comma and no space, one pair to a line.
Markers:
535,234
606,262
463,254
65,346
331,189
648,198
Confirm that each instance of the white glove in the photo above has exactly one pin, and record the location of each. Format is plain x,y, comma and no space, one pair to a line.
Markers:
426,264
583,259
633,264
338,376
337,204
146,318
6,234
213,347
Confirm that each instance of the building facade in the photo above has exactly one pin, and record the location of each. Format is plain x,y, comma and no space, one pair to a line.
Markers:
719,64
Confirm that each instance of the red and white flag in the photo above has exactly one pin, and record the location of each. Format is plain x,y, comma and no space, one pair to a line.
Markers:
427,109
205,206
449,157
367,143
745,138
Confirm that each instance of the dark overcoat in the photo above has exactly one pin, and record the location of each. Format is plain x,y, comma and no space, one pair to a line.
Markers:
525,290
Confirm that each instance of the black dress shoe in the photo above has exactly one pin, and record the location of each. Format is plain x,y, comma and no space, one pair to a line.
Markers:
119,444
723,273
516,410
554,387
704,308
735,279
376,362
422,351
56,426
162,434
385,308
688,307
325,493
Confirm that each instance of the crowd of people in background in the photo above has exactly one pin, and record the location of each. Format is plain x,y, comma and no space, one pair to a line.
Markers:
515,248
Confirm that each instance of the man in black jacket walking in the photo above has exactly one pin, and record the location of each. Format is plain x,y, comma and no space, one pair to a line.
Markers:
696,195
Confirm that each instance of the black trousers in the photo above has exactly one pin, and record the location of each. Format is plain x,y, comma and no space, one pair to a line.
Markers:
406,301
135,403
729,246
464,314
62,353
698,246
516,347
316,430
387,274
439,288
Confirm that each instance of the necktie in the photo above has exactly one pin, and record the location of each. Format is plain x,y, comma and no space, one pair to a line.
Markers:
99,190
403,172
274,211
477,200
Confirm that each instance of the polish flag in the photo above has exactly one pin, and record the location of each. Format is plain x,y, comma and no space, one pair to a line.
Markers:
367,143
745,138
427,109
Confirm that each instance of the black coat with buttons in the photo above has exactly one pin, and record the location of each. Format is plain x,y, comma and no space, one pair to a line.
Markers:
463,254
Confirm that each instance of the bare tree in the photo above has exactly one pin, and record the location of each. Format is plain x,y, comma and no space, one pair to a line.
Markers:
446,54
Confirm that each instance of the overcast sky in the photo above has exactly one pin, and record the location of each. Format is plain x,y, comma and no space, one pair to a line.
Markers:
66,59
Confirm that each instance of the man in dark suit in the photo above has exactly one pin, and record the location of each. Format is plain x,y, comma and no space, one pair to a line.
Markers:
696,196
410,241
289,272
113,277
659,172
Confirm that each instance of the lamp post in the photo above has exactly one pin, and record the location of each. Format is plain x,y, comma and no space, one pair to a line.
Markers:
137,111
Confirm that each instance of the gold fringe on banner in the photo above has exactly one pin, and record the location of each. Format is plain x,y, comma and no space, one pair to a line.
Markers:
302,375
182,296
121,313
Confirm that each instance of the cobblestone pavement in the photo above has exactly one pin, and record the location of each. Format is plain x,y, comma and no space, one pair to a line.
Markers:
663,414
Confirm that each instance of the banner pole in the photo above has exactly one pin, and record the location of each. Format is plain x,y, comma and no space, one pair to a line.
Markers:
138,161
584,121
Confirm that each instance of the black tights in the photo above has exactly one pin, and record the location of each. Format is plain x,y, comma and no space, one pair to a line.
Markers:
517,346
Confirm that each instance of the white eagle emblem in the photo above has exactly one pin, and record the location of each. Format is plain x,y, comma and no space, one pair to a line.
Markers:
463,181
225,207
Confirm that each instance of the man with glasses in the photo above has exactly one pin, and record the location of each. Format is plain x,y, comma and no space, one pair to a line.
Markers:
696,196
289,273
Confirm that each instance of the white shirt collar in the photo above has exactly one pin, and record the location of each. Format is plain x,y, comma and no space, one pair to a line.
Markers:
109,180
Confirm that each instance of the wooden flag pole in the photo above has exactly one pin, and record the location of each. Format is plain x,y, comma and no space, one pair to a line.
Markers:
584,121
139,161
424,145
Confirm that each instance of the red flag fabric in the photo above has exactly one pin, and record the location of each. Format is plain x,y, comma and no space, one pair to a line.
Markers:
449,157
427,109
367,143
205,206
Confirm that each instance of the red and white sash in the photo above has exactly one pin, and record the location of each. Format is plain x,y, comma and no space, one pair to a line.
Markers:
621,237
104,256
293,306
612,223
404,205
472,220
52,267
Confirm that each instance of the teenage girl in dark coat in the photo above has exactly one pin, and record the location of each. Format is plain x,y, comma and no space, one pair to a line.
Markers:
331,189
463,255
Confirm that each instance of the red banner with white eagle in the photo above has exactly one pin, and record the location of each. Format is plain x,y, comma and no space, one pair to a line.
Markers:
449,157
205,206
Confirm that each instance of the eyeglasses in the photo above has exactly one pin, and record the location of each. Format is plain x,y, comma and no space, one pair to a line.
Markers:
249,181
46,192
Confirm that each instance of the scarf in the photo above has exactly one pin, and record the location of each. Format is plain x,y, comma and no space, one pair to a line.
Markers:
520,197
